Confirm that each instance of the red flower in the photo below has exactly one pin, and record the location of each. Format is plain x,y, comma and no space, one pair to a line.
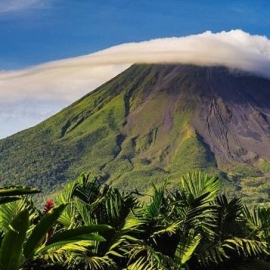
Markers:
48,206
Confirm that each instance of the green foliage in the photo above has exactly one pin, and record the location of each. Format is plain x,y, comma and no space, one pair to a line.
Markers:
96,226
12,193
40,230
25,240
11,247
9,211
264,165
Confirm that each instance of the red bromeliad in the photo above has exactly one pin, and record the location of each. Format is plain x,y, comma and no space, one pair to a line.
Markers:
48,206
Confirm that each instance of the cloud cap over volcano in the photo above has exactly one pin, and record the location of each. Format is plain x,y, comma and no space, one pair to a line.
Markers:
67,80
234,49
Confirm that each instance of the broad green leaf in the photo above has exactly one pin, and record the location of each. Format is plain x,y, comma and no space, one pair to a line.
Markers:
39,232
83,237
7,199
11,248
76,233
17,190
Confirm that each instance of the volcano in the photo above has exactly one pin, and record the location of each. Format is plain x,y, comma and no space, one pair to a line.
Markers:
149,124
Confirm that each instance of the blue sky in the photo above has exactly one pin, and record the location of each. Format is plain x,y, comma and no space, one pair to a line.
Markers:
34,32
37,31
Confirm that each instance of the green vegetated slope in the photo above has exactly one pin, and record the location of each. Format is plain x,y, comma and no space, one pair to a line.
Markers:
146,125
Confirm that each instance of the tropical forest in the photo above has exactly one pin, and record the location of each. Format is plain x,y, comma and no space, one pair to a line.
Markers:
90,225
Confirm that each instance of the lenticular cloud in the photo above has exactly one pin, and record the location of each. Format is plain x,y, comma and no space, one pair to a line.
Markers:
69,79
234,49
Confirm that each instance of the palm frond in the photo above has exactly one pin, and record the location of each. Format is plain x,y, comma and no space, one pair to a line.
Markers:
141,264
170,229
196,184
143,255
9,210
97,263
230,249
186,247
152,210
210,252
229,220
246,247
17,191
65,253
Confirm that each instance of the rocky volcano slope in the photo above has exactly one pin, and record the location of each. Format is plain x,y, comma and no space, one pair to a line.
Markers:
234,116
150,123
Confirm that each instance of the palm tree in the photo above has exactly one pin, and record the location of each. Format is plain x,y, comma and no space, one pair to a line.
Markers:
194,228
93,203
173,224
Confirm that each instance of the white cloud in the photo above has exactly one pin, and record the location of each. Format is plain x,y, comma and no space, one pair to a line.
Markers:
234,49
60,81
67,80
16,5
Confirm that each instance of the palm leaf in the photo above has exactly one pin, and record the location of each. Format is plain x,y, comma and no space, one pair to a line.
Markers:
9,210
74,235
195,184
186,247
17,190
144,255
246,247
210,252
152,210
141,264
68,216
11,248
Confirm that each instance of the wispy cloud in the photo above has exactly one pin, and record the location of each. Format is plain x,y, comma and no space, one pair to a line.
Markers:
18,5
64,81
